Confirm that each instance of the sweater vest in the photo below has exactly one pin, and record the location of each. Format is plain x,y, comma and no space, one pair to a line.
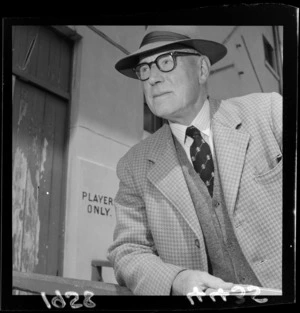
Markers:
225,257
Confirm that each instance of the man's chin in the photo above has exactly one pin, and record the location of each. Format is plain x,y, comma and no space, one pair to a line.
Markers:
162,110
163,115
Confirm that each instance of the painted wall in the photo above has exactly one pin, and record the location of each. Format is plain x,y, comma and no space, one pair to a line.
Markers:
240,79
107,119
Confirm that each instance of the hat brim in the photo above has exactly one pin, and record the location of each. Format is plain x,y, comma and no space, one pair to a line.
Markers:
213,50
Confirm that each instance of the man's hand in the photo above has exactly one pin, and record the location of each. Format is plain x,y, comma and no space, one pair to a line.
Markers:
187,280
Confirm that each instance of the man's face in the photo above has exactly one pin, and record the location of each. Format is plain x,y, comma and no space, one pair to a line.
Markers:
174,95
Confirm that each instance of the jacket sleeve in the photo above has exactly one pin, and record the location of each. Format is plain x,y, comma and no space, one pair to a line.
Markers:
276,114
133,253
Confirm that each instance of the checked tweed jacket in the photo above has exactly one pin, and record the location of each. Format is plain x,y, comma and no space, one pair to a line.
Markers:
158,234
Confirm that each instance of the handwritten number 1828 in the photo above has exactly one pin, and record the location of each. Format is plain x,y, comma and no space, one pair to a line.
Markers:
59,302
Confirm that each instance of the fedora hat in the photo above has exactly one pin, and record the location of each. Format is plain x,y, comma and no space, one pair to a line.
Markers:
164,37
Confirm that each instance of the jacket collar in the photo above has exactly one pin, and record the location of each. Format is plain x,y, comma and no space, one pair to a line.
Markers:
159,142
227,140
163,137
223,112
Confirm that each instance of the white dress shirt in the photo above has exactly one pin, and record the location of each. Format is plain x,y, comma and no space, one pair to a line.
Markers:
202,122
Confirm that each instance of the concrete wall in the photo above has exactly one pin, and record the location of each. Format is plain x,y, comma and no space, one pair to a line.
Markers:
107,119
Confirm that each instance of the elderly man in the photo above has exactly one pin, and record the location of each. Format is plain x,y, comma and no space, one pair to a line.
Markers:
199,202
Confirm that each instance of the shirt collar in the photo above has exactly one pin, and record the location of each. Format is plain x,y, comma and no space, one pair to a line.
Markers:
201,121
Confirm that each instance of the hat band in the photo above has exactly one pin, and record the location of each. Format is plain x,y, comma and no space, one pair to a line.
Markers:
162,36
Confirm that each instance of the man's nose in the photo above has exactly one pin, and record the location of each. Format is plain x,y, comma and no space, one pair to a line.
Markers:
155,74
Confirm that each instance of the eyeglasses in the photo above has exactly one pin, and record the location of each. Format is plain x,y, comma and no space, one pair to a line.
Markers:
165,62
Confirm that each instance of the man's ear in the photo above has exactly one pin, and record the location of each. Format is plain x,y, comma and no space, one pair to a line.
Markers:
204,68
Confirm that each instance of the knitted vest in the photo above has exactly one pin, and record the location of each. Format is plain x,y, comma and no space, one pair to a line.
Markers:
225,257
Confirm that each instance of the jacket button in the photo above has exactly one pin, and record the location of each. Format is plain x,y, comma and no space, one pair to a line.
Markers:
215,203
197,243
242,278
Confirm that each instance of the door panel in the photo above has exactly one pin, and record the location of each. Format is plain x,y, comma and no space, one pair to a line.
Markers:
39,138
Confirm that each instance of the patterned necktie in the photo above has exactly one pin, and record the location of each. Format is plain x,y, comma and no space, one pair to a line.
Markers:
202,158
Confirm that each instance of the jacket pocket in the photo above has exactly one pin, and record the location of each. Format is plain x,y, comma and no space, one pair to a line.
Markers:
271,175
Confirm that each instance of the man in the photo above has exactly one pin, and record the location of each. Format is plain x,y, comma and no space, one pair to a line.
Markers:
199,201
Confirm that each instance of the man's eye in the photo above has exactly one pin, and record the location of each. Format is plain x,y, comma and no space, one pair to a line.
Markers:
165,61
143,69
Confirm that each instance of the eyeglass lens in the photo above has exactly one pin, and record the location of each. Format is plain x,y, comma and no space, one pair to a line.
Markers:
165,63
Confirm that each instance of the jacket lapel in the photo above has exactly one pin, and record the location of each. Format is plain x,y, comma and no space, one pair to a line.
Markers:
230,144
166,175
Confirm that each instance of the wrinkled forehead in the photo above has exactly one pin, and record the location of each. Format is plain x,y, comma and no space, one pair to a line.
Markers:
153,54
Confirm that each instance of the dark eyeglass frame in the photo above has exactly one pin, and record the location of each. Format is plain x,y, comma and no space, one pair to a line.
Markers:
173,54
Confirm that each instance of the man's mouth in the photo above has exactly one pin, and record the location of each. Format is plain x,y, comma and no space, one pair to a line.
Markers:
160,94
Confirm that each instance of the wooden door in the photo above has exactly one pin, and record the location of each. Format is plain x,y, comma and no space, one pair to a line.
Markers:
41,82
